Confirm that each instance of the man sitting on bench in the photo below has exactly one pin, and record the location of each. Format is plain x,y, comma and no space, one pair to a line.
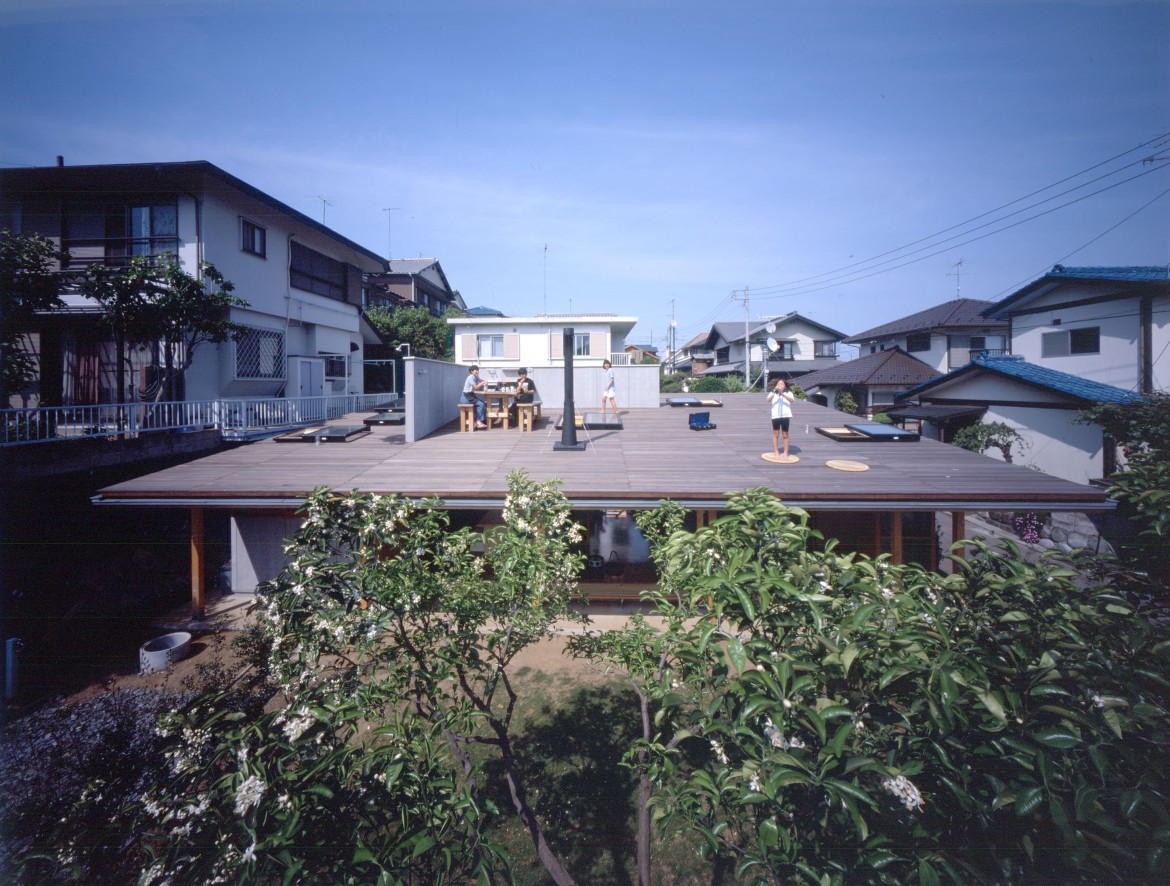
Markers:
525,392
471,387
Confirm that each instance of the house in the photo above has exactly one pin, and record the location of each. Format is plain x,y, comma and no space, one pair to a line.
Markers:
501,345
873,380
642,353
412,282
303,281
693,357
790,344
1108,324
944,337
1039,403
1078,336
904,497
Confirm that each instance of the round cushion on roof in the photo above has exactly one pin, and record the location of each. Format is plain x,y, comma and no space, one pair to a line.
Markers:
779,459
844,464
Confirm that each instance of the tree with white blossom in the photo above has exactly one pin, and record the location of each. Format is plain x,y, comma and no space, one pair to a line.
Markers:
391,639
832,718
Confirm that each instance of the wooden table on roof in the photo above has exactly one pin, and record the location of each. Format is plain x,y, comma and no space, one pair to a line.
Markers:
496,403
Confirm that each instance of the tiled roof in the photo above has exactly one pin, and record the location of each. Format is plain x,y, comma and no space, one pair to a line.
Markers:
890,367
1039,376
732,330
1137,275
959,313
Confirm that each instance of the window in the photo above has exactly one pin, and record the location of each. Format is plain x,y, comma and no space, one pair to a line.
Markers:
489,346
260,354
825,349
255,239
919,341
785,350
314,272
580,344
1071,341
334,366
147,230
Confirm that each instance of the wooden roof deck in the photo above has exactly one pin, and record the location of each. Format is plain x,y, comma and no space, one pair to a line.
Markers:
655,456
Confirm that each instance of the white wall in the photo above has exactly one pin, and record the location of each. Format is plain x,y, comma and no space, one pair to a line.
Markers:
257,543
1057,445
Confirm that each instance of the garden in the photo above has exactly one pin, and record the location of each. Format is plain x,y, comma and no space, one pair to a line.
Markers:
409,708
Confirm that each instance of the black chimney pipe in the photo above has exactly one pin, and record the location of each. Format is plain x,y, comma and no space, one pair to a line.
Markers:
569,419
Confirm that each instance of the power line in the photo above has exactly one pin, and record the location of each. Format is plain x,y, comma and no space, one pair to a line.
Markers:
1160,139
846,279
1108,230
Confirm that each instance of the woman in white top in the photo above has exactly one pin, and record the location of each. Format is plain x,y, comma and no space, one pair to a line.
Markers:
780,398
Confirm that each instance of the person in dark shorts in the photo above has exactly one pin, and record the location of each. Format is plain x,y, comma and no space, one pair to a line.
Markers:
780,399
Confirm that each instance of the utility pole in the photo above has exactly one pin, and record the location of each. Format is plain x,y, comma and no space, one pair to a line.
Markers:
747,345
673,333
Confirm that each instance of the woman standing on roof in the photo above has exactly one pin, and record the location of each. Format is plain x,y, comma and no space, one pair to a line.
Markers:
781,399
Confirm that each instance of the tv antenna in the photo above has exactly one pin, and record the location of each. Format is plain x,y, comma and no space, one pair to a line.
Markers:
958,275
388,210
324,202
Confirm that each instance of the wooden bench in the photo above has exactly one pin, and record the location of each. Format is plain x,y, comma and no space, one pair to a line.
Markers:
467,417
528,413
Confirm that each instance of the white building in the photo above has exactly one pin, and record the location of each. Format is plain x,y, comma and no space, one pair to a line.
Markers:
1111,325
790,345
302,281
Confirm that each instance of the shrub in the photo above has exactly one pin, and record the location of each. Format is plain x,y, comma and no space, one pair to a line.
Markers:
844,401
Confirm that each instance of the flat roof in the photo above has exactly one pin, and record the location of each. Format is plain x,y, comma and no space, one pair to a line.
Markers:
654,457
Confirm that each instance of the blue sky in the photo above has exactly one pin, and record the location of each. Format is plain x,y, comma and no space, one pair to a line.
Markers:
645,157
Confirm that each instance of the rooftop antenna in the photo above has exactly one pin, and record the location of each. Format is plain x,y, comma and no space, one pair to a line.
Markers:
388,210
546,278
958,275
324,203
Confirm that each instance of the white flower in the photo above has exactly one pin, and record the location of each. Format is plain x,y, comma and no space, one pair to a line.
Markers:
299,725
249,794
902,788
720,753
249,855
756,785
1097,700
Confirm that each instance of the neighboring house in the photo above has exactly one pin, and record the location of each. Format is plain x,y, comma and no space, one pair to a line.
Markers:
642,353
303,282
504,344
1041,404
693,357
484,311
873,380
801,346
944,337
1111,325
412,282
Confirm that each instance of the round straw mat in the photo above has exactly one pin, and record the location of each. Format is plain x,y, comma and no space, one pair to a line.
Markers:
844,464
780,460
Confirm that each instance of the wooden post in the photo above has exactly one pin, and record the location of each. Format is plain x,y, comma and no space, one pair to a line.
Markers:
958,531
896,537
198,585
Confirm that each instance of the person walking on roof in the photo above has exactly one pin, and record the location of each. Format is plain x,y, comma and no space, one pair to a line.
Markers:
609,390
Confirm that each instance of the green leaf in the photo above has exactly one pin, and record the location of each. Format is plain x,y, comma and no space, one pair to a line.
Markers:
769,834
737,655
927,875
1058,737
992,702
847,657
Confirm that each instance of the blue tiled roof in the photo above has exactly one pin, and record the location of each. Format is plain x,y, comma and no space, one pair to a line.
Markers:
1138,274
1050,379
1152,274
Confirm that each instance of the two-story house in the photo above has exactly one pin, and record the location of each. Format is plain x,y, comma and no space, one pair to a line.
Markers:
1111,325
787,346
1078,336
412,282
302,281
501,345
943,337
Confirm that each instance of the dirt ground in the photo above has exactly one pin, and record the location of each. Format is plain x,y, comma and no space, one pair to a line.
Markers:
212,636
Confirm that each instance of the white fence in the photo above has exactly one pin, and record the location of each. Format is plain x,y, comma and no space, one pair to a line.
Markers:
240,419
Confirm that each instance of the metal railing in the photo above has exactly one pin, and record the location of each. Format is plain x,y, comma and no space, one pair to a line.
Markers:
235,419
